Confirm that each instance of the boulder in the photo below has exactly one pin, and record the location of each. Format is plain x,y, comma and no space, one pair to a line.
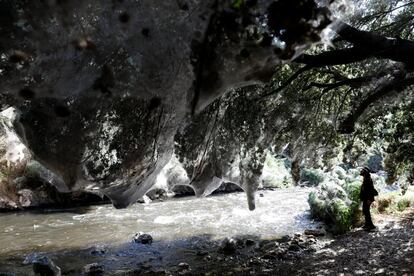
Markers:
7,203
143,238
228,246
315,232
250,242
228,187
44,266
98,251
144,199
269,245
27,198
183,190
155,194
93,269
284,238
24,182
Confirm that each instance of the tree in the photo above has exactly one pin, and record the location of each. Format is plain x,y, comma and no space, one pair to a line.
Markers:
363,76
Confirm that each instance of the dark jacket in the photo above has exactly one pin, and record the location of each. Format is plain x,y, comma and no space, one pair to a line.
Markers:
367,189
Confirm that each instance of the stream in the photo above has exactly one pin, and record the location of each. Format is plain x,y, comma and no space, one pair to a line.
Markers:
173,224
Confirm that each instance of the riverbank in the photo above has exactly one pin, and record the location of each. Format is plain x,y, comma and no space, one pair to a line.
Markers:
389,250
174,225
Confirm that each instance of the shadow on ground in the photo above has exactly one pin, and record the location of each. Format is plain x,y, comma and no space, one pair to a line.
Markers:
387,251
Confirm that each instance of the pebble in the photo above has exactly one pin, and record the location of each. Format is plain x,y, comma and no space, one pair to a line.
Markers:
269,256
202,253
93,269
315,232
249,242
183,266
269,245
294,247
98,251
285,238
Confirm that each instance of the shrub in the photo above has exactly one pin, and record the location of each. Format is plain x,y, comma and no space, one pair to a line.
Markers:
405,201
353,189
317,206
386,202
340,213
339,172
336,205
403,204
312,177
394,202
275,174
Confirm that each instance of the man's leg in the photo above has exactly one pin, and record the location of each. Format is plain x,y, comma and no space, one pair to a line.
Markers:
366,204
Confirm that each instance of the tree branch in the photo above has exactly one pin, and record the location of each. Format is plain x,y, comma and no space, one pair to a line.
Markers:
287,82
397,84
366,45
335,57
332,85
382,14
353,83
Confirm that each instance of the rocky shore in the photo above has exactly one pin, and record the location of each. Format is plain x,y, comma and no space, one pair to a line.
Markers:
198,255
386,251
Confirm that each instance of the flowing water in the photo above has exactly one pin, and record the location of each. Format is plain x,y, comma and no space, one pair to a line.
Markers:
180,227
277,213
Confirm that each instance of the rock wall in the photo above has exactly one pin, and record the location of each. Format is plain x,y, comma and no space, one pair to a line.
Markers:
104,86
24,182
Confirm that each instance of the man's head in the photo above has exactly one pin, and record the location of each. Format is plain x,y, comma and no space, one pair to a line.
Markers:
365,171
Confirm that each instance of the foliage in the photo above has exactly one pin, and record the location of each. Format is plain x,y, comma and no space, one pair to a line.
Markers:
275,173
318,206
337,205
312,119
394,202
353,190
311,176
384,202
237,4
340,213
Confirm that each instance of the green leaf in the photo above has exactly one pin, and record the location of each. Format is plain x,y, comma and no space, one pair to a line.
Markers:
237,4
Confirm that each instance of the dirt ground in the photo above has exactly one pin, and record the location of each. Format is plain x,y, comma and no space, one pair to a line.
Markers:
389,250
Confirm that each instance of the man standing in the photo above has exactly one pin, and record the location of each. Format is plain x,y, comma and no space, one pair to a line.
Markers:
367,195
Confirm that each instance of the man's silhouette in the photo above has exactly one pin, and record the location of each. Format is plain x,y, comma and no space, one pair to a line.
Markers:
367,195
